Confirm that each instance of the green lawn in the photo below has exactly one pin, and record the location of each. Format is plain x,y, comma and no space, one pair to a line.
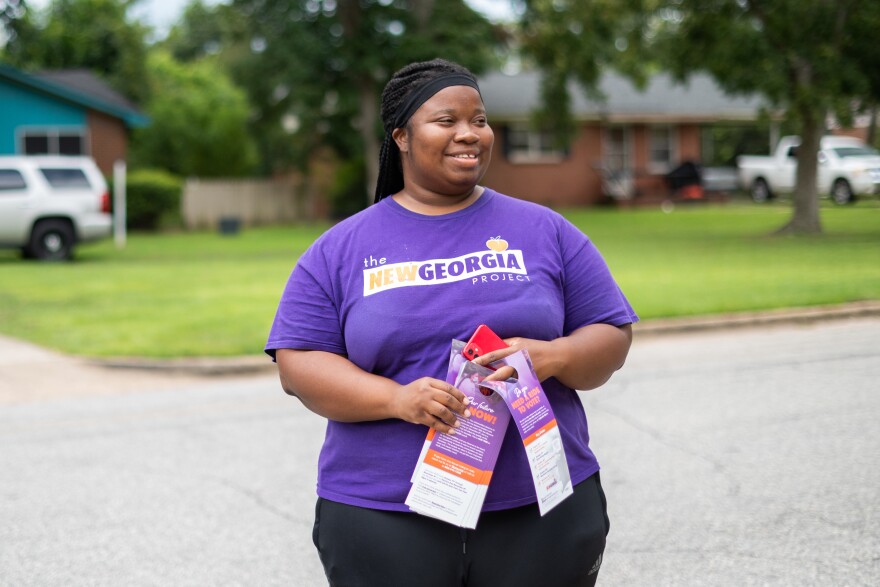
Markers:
203,294
707,260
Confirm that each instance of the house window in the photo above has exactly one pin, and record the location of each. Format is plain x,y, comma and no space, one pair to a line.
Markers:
661,153
617,177
616,156
525,145
54,142
36,145
70,144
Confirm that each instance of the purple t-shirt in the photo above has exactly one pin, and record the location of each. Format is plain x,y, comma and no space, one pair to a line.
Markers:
390,289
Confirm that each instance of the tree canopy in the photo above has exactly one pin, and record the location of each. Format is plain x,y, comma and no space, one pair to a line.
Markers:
794,52
93,34
801,55
199,123
861,49
315,70
576,40
289,78
11,11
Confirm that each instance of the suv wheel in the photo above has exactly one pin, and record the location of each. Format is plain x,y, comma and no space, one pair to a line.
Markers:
52,240
841,192
760,191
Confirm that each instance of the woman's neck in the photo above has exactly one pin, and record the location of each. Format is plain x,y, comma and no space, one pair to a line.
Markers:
436,204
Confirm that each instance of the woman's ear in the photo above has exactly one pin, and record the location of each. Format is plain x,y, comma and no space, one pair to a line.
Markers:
401,137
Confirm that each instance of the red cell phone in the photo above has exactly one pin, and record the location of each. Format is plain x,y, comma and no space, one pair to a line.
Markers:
483,341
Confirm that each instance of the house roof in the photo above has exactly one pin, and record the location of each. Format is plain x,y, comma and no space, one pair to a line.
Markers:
80,87
699,99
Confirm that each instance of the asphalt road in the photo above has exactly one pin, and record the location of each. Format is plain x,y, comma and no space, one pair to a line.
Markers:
741,457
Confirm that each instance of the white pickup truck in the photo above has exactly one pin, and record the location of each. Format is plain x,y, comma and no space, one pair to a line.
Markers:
48,204
847,168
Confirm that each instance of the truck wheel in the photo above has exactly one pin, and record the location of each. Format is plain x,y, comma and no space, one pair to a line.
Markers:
760,191
841,192
52,240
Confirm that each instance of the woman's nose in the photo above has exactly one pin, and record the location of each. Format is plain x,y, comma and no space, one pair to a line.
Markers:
466,134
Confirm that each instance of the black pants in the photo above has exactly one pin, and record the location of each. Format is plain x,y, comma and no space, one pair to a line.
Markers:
375,548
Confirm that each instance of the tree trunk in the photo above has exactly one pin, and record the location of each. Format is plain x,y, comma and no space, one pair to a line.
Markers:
422,10
369,106
805,200
872,125
369,113
351,16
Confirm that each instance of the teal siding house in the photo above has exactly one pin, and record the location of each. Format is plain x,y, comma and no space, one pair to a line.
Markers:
65,112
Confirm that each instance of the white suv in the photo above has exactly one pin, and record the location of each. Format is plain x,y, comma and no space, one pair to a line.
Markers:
50,203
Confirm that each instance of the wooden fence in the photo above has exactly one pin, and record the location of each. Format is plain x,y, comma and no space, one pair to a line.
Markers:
246,202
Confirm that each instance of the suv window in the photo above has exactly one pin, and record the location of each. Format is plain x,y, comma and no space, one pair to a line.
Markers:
11,179
66,177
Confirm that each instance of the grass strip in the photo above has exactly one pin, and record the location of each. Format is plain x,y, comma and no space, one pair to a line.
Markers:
206,294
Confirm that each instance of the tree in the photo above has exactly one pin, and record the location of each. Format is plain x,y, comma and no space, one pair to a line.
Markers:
199,121
318,67
791,51
11,12
861,48
575,40
92,34
217,30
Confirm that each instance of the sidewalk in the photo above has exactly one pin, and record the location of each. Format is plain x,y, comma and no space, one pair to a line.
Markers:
31,373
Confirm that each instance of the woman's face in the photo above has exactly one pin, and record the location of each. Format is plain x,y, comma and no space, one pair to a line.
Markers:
446,146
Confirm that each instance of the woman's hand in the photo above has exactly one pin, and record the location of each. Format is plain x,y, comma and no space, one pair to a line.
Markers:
332,386
585,359
540,352
431,402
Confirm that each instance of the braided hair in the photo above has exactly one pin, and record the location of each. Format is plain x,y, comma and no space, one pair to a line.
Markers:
399,88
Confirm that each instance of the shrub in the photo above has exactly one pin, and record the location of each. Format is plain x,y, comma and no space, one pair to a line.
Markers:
151,195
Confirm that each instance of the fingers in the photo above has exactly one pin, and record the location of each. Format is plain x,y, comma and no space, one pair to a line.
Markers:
502,374
448,405
494,356
446,422
544,358
451,397
433,403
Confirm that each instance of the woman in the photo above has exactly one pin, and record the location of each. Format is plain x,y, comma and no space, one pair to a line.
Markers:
362,336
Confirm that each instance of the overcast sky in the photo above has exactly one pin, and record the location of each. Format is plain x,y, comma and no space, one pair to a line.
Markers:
161,14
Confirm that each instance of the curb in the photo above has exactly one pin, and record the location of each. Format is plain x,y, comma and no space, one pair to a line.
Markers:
261,364
807,315
204,366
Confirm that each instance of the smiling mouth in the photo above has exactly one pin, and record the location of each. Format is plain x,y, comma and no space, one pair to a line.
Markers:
463,156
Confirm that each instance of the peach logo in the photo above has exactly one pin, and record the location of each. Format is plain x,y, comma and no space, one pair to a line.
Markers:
497,244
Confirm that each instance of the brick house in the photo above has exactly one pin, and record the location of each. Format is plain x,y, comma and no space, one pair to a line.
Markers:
66,112
626,145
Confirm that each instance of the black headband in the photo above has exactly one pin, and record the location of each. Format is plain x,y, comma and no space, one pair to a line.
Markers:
424,93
